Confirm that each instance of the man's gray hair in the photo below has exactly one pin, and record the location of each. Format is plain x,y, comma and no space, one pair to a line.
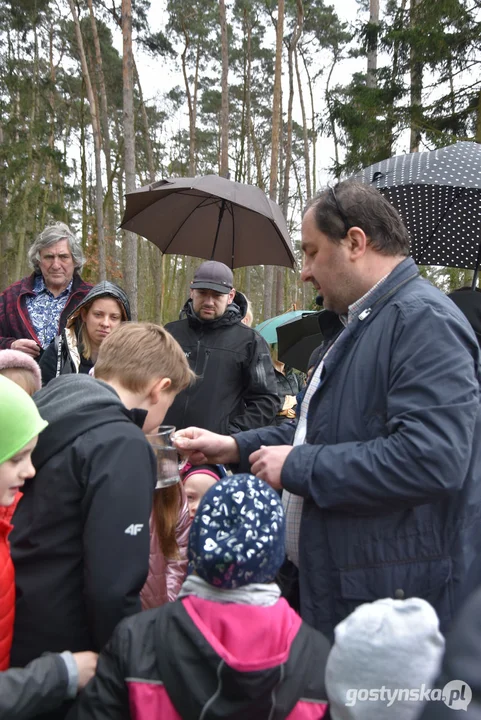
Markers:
52,235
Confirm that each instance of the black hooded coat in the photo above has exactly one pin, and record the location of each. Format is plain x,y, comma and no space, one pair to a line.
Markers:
236,387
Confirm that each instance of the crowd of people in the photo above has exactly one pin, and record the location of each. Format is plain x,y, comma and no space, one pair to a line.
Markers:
325,533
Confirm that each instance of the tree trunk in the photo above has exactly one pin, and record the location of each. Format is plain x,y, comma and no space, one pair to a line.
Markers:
305,131
104,118
83,170
156,265
313,125
224,116
329,107
276,125
478,120
296,34
191,101
99,193
416,84
371,80
130,257
23,210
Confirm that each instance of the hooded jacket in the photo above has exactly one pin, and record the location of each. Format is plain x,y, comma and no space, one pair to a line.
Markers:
15,321
236,387
197,659
64,354
389,472
80,543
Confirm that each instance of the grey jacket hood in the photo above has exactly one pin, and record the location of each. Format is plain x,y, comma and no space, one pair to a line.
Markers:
72,405
103,289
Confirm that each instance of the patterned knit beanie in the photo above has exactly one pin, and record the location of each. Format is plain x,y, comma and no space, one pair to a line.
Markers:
20,421
237,536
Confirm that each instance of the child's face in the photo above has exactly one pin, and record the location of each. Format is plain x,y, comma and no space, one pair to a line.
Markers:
15,471
195,488
157,412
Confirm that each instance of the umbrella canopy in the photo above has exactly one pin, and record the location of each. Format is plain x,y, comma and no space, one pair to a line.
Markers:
211,217
438,195
298,339
268,328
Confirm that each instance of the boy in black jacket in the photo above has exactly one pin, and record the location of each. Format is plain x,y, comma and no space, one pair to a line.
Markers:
81,539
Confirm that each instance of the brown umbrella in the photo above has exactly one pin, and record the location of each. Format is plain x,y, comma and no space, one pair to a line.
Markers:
211,217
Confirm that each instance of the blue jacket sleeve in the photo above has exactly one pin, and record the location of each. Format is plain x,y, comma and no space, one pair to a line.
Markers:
117,507
38,688
251,440
425,442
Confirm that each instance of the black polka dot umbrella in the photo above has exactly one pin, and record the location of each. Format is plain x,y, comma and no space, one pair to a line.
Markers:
438,195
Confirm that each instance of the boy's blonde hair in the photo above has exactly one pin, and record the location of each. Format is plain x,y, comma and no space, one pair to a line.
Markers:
136,354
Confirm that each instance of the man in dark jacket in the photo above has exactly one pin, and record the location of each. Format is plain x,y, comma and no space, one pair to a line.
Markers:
460,678
35,309
80,543
383,492
236,386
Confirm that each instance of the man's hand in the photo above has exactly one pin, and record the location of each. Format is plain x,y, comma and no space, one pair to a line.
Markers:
267,463
30,347
202,446
86,666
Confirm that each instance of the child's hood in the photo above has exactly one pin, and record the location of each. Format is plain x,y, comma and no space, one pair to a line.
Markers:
231,658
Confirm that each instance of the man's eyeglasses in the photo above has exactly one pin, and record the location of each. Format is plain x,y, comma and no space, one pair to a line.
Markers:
342,214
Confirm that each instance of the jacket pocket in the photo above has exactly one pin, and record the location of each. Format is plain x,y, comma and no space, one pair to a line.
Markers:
429,579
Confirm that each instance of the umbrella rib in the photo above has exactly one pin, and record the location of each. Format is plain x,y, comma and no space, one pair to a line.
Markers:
183,223
441,219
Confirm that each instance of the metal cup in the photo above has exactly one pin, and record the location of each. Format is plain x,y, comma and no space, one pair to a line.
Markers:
166,455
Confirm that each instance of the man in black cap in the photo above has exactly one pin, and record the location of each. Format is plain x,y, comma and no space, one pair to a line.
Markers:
236,386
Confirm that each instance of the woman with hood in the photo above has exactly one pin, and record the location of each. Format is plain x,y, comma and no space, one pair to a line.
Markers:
76,349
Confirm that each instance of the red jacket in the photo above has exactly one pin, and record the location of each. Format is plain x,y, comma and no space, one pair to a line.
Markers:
14,318
7,585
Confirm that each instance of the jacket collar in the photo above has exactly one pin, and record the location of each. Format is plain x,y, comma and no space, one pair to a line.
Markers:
28,283
402,274
232,316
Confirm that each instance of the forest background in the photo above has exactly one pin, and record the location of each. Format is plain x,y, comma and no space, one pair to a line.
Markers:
284,95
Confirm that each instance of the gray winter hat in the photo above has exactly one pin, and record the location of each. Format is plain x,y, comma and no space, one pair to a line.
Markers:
380,649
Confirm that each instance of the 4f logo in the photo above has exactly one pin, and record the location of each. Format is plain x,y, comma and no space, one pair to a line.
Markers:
133,529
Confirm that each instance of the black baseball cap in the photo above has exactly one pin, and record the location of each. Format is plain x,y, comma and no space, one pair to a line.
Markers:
213,275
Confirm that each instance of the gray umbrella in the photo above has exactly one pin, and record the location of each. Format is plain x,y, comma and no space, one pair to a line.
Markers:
438,195
211,217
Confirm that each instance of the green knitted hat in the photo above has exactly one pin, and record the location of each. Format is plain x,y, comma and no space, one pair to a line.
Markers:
20,420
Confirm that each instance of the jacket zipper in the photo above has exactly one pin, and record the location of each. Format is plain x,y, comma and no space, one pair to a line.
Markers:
26,322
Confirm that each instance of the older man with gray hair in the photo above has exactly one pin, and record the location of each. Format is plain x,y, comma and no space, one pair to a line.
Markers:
34,310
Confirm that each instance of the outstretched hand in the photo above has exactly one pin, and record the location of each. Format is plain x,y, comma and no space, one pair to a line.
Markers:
202,446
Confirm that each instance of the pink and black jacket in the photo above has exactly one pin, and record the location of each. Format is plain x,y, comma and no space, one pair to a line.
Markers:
198,659
14,318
